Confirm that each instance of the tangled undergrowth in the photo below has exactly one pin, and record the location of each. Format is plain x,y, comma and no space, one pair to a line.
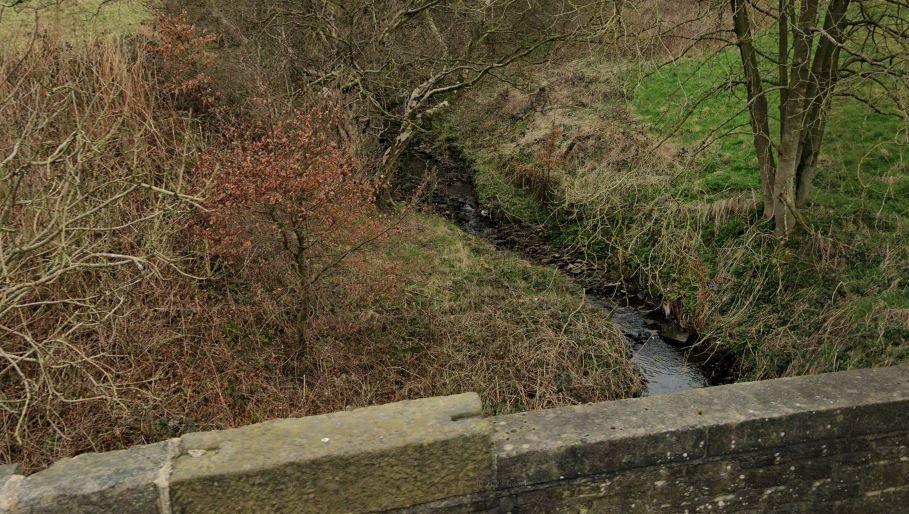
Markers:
169,264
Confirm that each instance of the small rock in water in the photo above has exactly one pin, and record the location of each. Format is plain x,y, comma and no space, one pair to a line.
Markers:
675,333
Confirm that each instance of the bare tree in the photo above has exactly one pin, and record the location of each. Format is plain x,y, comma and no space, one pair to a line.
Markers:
824,50
85,217
820,43
398,62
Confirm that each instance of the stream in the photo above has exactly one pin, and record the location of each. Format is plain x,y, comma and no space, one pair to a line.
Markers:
658,345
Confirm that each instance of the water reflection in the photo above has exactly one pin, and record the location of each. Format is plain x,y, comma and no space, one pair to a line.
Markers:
663,365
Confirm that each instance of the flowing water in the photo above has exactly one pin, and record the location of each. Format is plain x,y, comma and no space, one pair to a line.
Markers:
664,366
656,343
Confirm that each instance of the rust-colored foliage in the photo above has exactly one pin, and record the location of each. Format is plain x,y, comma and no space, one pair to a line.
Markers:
182,51
288,187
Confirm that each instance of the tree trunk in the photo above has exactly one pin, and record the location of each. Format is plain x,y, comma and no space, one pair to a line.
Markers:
391,159
784,183
757,102
785,7
793,120
807,167
825,73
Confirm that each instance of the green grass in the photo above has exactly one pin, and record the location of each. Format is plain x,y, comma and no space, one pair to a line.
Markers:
833,297
477,319
864,163
863,174
74,21
663,98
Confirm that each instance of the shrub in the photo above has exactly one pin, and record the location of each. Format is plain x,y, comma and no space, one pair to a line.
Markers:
92,203
113,328
539,177
287,195
181,53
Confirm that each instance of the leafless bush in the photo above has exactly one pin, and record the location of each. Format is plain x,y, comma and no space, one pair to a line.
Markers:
398,63
538,177
91,203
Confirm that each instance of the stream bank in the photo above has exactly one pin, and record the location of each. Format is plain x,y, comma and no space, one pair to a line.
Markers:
663,351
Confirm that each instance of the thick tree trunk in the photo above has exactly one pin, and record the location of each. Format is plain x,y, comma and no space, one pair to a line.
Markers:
793,120
825,72
785,7
757,102
807,167
784,182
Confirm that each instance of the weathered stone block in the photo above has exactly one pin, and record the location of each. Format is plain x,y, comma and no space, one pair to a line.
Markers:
370,459
836,442
794,410
119,481
6,472
558,444
9,485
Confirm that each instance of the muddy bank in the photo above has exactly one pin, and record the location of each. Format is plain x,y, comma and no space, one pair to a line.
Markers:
666,353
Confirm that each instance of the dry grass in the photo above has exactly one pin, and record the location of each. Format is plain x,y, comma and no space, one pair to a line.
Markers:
722,210
900,316
93,205
124,329
521,335
650,217
660,29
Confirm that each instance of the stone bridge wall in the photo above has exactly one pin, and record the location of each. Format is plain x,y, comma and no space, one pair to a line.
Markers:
837,443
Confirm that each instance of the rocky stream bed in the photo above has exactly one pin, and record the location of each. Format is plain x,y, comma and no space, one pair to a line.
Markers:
660,348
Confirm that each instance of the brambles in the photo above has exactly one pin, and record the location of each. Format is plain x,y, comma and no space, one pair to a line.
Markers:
92,201
181,51
401,62
539,176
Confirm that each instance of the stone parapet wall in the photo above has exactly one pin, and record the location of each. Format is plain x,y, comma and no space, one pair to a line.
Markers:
837,442
370,459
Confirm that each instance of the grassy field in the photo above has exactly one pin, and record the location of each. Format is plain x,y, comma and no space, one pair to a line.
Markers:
862,190
521,335
683,222
71,20
864,167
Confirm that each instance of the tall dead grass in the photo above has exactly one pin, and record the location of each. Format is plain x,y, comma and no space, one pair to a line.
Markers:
119,325
92,184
